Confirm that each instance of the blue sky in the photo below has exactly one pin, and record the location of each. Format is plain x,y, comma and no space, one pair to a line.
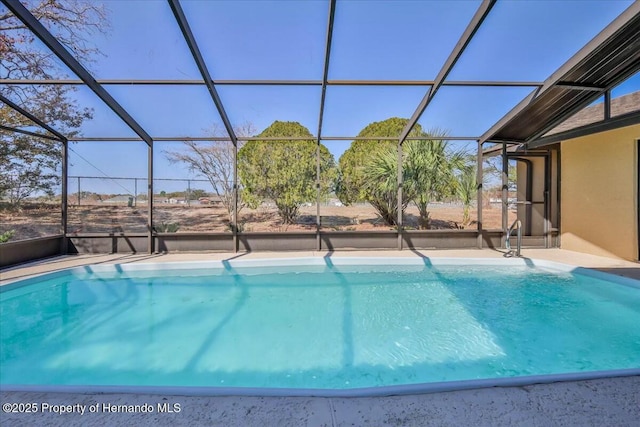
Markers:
520,40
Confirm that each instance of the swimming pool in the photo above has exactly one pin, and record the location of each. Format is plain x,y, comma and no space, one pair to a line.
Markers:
324,326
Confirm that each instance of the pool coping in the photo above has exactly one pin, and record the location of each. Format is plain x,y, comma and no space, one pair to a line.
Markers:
229,264
381,391
607,401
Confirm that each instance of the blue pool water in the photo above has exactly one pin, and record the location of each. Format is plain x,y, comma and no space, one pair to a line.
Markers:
318,326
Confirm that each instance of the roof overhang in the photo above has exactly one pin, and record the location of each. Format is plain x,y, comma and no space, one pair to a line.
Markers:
610,58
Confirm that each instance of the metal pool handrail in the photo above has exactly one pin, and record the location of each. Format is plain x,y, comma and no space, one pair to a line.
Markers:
517,224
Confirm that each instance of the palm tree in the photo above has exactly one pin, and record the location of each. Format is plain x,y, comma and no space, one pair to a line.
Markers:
429,172
466,189
381,185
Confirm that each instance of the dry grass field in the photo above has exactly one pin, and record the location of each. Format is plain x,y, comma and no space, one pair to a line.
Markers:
39,219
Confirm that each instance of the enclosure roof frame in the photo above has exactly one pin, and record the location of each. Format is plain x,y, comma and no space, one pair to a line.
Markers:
608,59
181,19
327,58
474,25
281,82
33,118
39,30
29,133
614,53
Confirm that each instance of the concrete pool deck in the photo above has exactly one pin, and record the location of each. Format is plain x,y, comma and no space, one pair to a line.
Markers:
603,402
607,401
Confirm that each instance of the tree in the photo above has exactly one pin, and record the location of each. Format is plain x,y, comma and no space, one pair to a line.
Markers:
21,178
195,194
429,172
72,22
284,171
29,164
466,189
381,184
214,161
492,170
350,187
368,169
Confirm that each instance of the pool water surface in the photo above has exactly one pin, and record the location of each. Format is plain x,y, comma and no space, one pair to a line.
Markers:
320,325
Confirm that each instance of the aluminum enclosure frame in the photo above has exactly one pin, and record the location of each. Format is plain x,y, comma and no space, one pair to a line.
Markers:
607,60
596,50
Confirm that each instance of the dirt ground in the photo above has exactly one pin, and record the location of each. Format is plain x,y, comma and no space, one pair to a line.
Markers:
37,220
